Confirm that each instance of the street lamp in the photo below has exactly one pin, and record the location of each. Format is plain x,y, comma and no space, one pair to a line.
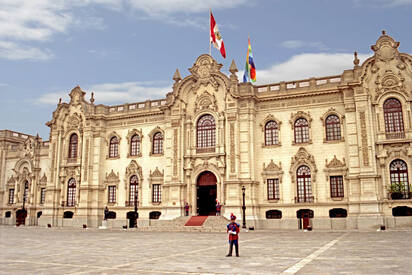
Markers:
244,207
135,209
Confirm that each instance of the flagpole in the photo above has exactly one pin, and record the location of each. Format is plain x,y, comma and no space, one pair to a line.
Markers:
210,47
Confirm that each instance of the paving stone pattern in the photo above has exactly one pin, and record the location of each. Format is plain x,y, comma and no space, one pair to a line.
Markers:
35,250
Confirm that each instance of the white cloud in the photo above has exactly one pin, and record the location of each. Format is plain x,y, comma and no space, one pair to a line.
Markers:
39,20
294,44
13,51
304,66
112,93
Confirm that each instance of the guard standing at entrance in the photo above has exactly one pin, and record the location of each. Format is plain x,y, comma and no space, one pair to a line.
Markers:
233,230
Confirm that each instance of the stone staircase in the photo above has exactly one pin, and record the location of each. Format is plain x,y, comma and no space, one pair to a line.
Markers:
212,224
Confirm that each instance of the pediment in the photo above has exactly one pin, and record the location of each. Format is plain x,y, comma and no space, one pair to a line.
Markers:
335,163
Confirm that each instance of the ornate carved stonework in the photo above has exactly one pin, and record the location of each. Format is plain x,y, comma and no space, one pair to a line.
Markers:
390,82
112,178
43,180
203,71
335,163
364,139
385,48
11,181
302,157
232,147
133,169
205,101
28,148
175,144
77,95
268,118
156,173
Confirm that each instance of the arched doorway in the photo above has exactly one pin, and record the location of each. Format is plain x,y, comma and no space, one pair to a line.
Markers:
206,194
21,215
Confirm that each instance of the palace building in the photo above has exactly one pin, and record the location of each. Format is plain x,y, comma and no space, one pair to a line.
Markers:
333,152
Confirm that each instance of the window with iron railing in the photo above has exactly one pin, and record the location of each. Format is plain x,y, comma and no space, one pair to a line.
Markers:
336,187
273,189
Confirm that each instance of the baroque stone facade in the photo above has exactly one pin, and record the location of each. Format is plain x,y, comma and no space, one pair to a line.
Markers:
305,151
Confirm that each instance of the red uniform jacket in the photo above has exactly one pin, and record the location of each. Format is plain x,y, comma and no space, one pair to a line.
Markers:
233,227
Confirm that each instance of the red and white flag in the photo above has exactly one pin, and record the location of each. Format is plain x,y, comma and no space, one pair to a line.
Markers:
215,37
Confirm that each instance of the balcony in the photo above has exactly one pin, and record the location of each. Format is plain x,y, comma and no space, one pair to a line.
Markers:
304,199
205,150
68,203
395,135
399,196
130,203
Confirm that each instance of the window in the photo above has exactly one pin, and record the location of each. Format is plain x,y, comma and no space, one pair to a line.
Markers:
157,193
332,128
304,184
8,214
154,215
392,110
11,196
336,187
273,214
73,142
71,192
42,195
26,192
399,177
271,133
273,189
158,143
206,132
133,193
114,147
135,145
338,213
112,194
301,130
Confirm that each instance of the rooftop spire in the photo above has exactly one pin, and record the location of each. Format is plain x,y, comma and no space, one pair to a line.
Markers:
176,76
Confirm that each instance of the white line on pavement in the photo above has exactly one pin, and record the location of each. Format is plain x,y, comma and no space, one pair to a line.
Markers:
298,266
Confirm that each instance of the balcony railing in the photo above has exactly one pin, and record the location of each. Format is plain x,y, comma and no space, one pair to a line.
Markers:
131,203
69,203
395,135
399,196
304,199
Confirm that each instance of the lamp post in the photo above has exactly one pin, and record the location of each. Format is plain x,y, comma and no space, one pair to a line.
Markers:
135,209
244,207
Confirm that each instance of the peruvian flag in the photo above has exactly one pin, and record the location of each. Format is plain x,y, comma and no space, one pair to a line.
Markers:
215,36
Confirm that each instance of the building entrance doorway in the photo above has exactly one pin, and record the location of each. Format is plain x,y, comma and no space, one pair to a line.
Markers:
21,215
304,216
206,194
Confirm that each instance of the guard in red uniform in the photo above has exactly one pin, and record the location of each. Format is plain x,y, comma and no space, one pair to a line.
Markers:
233,230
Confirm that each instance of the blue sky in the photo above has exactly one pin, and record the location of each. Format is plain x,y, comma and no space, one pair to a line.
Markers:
127,50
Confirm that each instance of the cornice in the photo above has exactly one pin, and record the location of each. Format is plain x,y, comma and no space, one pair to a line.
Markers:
297,95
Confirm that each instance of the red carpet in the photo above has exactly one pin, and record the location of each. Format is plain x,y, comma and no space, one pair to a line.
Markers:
196,221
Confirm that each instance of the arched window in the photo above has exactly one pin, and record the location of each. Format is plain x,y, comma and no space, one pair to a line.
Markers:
158,143
133,193
271,133
73,142
26,191
392,110
135,145
206,132
332,124
304,184
301,130
399,178
71,192
114,147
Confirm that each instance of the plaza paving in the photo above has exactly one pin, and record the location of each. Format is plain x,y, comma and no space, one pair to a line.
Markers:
34,250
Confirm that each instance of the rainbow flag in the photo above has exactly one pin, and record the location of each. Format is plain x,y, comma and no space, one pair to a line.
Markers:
250,69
